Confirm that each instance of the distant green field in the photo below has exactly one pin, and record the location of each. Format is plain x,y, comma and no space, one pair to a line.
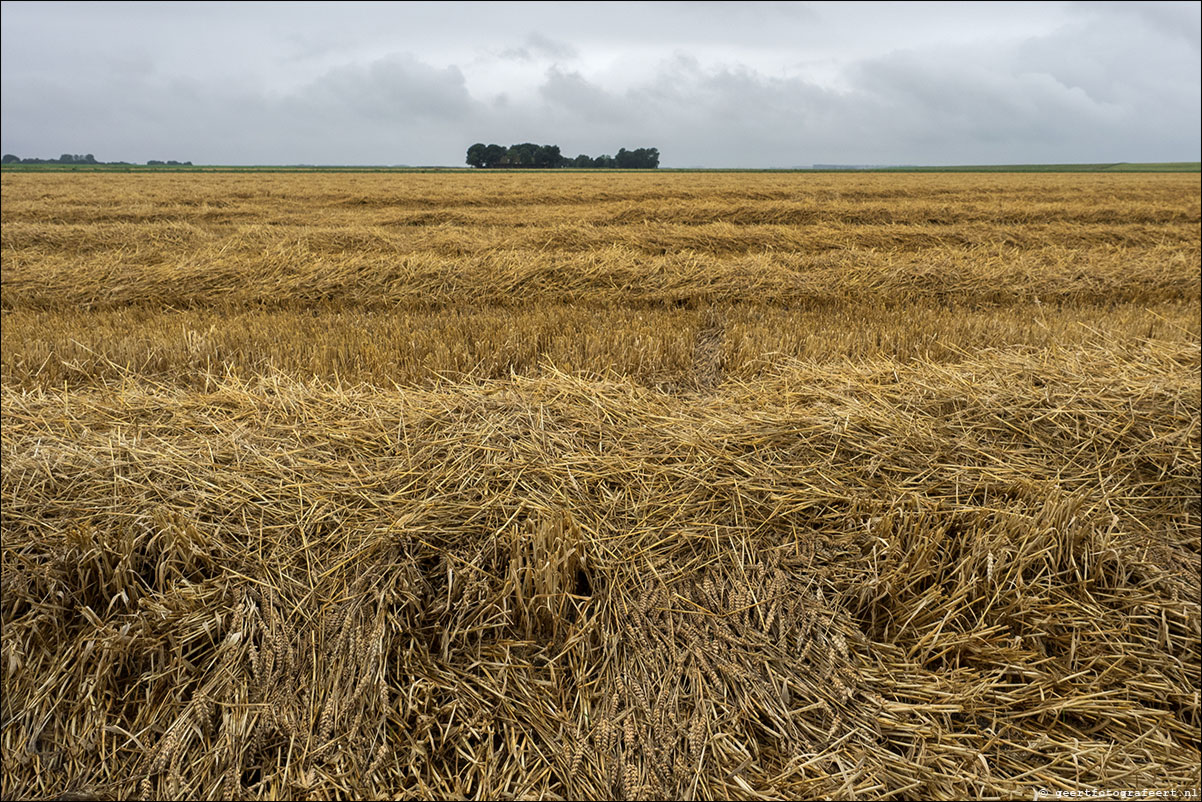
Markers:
1158,167
216,168
1116,167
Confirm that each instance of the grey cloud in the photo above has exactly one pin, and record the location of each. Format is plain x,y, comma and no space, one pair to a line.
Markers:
572,92
396,88
1099,83
1173,20
953,107
977,98
383,109
538,47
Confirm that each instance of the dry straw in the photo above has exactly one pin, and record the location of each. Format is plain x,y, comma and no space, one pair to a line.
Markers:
841,581
777,541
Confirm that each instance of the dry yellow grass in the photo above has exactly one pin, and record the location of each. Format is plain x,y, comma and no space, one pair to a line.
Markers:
655,347
102,241
645,486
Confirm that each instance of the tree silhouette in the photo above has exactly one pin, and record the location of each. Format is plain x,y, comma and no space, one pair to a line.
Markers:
528,154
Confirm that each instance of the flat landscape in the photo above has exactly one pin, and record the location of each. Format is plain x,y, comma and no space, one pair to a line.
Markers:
600,485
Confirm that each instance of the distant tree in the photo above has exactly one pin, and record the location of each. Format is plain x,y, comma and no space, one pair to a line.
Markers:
548,156
493,154
89,159
638,159
648,158
153,163
10,159
477,155
528,154
522,155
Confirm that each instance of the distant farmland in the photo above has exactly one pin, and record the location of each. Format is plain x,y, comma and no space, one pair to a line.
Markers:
652,485
1113,167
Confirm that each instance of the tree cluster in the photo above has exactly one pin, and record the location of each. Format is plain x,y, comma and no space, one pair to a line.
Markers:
75,158
529,154
66,158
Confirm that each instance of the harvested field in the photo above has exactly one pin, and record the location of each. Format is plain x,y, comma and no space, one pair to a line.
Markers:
643,486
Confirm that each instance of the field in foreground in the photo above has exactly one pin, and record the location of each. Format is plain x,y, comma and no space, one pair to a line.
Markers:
603,486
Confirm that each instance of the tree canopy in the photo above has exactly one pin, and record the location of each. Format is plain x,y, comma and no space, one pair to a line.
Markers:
528,154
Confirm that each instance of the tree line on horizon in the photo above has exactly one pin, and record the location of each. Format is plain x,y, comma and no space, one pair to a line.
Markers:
88,158
528,154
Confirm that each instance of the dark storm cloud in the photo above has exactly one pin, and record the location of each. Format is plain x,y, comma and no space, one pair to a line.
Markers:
740,84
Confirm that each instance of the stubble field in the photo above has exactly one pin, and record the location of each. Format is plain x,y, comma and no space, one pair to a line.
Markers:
599,485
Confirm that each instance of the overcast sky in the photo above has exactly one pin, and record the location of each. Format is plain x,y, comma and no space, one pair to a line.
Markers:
738,84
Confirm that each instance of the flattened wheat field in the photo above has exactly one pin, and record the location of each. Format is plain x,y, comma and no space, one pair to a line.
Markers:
599,485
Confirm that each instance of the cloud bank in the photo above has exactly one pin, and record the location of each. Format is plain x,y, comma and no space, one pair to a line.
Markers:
1082,84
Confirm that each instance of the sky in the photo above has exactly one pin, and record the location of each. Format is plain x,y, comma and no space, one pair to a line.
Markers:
728,84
